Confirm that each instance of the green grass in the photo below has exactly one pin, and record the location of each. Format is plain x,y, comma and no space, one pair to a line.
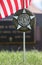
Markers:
16,58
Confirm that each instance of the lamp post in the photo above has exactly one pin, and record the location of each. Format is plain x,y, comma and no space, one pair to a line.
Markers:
24,45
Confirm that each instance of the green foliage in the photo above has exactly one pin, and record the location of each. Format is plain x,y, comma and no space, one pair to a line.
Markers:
16,58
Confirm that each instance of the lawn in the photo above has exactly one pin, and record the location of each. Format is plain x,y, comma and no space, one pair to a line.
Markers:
32,57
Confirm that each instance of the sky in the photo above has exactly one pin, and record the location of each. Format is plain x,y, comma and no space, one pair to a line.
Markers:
37,4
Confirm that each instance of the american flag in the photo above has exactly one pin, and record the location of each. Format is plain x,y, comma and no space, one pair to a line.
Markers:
8,7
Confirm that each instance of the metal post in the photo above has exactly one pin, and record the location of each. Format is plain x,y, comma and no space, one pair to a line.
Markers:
24,46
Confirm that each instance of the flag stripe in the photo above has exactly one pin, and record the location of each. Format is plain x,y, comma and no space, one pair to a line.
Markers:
27,3
3,7
16,4
13,6
19,4
0,16
7,7
2,12
22,5
10,6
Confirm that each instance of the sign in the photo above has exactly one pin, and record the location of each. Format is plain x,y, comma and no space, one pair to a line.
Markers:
9,34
